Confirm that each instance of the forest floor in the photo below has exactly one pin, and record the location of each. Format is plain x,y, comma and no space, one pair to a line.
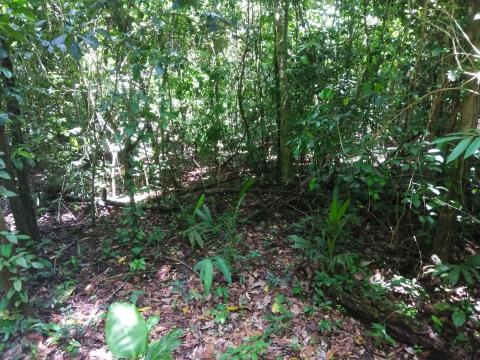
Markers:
272,291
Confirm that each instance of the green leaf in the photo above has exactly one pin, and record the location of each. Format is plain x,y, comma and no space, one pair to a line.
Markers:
206,273
472,149
454,275
162,349
4,175
75,51
474,261
6,72
447,139
458,318
103,32
200,202
301,243
24,296
204,214
6,193
152,321
12,237
59,40
459,149
17,285
37,265
21,261
436,320
6,250
90,40
126,331
468,277
224,268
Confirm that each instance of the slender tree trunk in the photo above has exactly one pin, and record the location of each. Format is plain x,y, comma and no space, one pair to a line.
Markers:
283,106
260,83
5,282
22,206
113,171
469,114
127,162
18,210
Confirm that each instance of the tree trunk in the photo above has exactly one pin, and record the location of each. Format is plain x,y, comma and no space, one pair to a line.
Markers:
5,275
283,105
22,205
127,162
18,211
469,113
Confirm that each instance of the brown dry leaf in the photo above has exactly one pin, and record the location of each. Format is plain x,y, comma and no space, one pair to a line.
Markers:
208,325
308,352
162,273
209,351
190,341
295,309
282,342
359,340
257,284
264,303
330,354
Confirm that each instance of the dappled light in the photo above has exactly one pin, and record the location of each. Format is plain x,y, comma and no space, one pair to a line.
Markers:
236,180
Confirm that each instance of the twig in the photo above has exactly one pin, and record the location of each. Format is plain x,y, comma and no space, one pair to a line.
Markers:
179,262
63,226
119,288
294,208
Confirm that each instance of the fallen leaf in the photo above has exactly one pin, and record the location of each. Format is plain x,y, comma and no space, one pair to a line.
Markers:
330,354
359,340
145,308
275,308
295,309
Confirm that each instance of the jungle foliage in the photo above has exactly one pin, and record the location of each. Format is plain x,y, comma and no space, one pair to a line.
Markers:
366,111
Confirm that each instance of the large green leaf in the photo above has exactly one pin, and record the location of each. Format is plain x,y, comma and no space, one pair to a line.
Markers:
75,51
458,318
447,139
224,268
459,149
126,331
59,40
17,285
206,273
90,40
200,202
21,261
472,149
151,322
6,250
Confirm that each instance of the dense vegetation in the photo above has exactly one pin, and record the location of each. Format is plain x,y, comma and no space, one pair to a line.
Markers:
239,170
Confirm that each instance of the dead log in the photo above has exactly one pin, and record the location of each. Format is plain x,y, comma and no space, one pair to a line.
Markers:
404,329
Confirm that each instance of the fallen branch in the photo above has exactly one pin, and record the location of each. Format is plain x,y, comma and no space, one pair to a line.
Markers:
404,329
64,226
